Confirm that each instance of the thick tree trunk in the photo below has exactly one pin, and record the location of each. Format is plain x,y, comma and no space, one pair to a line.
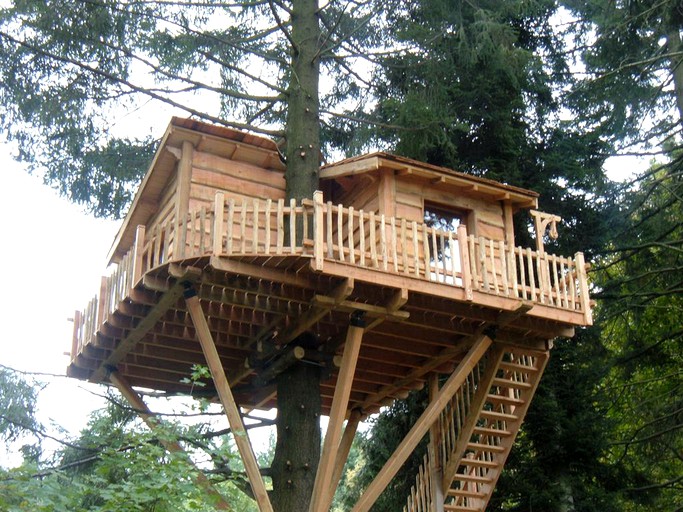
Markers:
303,124
297,451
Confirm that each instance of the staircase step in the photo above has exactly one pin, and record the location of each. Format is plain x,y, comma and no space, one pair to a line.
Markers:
516,367
486,447
473,478
460,508
504,399
485,431
479,463
464,493
508,383
495,415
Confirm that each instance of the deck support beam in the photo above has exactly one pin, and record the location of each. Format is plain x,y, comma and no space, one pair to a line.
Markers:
151,421
322,489
228,400
423,424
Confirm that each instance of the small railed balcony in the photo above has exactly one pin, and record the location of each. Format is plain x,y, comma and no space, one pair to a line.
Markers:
344,240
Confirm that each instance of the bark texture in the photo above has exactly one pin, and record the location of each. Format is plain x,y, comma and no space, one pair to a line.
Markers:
297,451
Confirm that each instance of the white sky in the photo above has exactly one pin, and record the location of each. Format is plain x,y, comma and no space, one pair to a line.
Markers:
52,257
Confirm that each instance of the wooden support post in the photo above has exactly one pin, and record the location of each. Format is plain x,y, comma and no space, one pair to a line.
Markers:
228,400
150,420
322,490
435,464
428,417
344,448
318,230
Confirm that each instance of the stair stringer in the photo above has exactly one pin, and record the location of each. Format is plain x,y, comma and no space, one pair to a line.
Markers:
470,485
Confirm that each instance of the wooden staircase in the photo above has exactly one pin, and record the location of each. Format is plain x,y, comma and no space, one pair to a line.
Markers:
474,434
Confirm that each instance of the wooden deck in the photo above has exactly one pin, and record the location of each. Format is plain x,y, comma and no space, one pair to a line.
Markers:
425,295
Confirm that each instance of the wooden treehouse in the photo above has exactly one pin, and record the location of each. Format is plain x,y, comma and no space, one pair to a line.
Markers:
407,274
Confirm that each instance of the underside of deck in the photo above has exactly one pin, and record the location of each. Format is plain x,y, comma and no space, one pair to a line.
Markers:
257,307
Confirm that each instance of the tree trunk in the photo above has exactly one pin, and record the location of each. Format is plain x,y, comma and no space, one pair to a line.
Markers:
303,124
297,451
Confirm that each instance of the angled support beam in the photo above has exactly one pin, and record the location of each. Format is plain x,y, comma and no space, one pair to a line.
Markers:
322,491
228,400
422,425
344,449
151,421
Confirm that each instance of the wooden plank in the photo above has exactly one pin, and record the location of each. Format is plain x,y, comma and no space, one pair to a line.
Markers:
422,425
229,405
322,491
218,208
318,230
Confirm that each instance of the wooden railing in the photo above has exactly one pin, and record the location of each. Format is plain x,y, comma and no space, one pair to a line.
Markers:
327,232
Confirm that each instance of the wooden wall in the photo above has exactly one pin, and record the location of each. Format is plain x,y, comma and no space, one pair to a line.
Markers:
238,180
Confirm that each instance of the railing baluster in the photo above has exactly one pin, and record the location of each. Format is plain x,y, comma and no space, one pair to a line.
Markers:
361,227
383,242
330,231
532,279
255,235
292,225
504,267
352,248
267,214
476,281
494,271
425,248
373,240
340,232
435,252
280,226
394,243
243,226
202,230
416,250
482,262
404,246
523,282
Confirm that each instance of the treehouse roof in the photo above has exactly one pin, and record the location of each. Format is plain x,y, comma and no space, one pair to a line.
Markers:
219,140
469,184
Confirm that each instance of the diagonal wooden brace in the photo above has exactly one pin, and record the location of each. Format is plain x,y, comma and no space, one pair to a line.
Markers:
228,400
422,425
150,420
322,490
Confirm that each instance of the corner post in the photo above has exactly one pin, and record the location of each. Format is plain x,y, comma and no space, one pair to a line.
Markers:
581,268
464,261
227,400
318,229
137,254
